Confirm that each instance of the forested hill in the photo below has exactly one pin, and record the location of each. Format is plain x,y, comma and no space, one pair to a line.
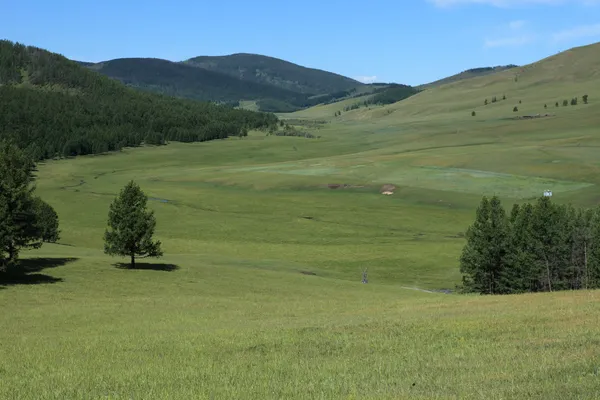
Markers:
181,80
275,85
52,106
276,72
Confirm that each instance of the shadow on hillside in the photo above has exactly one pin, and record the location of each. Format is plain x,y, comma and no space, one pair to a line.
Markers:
26,274
148,266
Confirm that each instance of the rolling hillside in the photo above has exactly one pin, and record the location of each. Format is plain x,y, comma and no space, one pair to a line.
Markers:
468,74
55,107
259,292
276,72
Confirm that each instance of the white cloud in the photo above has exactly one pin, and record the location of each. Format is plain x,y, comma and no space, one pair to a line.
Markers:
366,79
583,31
511,41
512,3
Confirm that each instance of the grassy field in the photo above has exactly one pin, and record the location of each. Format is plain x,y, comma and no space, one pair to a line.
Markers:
259,294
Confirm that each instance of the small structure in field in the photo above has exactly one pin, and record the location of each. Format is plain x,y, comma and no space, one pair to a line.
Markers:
547,193
388,189
364,278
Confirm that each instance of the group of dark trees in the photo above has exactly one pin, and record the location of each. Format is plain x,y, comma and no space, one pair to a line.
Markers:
26,221
537,247
54,107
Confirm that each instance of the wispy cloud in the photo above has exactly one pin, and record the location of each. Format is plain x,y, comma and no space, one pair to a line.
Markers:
583,31
366,79
513,3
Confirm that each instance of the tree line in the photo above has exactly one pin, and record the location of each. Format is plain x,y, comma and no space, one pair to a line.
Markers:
53,107
538,247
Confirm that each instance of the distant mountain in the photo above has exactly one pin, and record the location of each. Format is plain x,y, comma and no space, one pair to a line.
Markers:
276,72
181,80
53,107
468,74
274,85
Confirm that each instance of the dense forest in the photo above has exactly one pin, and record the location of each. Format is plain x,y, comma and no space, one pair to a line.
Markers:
51,107
536,248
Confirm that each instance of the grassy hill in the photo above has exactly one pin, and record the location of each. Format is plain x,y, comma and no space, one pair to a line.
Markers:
273,71
265,240
468,74
55,107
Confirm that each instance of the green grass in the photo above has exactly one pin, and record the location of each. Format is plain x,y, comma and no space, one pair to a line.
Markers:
259,293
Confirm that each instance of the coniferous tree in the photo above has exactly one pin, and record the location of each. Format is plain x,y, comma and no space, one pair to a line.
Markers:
585,99
47,220
484,257
131,226
18,214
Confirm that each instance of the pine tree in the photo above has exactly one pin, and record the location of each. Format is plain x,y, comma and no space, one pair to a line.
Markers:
47,221
131,226
585,99
18,217
550,243
521,273
484,257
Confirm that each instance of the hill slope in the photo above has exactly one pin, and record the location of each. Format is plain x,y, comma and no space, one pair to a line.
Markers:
181,80
53,106
273,71
468,74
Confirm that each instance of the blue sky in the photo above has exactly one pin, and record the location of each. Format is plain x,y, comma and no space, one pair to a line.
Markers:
405,41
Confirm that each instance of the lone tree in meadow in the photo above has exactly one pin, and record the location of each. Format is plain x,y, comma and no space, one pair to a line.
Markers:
585,99
131,226
515,109
25,221
473,113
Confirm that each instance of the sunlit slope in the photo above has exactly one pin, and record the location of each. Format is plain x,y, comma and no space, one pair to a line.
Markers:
564,76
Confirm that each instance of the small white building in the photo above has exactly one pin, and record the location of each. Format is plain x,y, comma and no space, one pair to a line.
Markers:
547,193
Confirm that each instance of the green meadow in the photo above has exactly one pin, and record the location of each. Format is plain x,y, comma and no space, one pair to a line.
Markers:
259,293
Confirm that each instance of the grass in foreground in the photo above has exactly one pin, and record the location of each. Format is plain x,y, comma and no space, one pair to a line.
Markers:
208,330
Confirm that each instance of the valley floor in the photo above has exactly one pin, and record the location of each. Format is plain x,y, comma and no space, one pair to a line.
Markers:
259,293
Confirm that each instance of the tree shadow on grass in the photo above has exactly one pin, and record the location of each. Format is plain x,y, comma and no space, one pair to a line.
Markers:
148,266
25,273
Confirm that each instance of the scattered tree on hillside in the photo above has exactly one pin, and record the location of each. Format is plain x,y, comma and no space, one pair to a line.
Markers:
485,102
565,103
494,99
25,221
545,105
515,109
574,101
556,105
503,97
519,101
131,226
585,99
473,113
